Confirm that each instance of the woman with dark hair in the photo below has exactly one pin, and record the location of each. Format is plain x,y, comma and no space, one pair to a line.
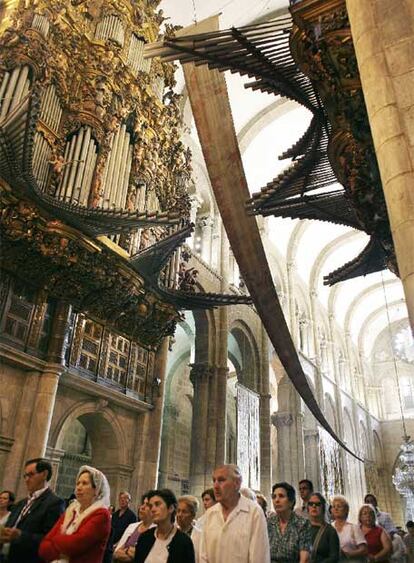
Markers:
81,533
7,499
125,548
289,534
165,543
379,542
325,540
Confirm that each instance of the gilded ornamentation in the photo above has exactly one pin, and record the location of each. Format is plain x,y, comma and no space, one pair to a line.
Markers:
98,93
90,276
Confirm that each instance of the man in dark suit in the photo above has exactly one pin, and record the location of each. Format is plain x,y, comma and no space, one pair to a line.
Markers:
32,517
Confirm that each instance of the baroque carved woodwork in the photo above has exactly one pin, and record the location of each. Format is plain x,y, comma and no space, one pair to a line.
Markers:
91,95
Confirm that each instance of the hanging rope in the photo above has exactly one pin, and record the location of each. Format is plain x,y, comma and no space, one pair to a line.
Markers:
194,12
397,379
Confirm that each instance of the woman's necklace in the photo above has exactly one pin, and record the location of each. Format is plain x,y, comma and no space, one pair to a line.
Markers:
165,536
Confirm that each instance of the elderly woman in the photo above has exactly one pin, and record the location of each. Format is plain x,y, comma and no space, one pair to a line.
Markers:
165,543
325,541
186,512
289,534
379,542
81,533
351,539
125,549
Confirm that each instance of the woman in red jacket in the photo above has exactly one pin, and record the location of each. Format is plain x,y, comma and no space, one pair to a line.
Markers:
81,533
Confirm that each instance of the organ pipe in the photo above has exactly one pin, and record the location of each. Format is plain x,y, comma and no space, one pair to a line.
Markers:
111,28
51,111
117,170
14,88
135,57
80,160
41,24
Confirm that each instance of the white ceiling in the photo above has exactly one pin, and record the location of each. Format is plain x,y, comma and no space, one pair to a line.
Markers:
233,12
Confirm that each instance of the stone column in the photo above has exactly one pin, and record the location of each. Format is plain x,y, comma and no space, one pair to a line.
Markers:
312,458
38,433
383,36
265,439
200,375
147,464
167,444
222,370
288,421
289,464
38,401
5,448
15,460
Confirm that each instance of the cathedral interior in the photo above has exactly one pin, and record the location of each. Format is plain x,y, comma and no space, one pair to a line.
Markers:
207,228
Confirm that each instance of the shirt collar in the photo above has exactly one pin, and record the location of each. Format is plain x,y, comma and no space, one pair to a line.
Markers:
38,493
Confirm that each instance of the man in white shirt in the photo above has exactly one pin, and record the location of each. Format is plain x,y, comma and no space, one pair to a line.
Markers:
235,528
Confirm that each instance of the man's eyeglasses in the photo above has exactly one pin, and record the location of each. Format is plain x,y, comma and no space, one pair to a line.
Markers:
314,504
30,474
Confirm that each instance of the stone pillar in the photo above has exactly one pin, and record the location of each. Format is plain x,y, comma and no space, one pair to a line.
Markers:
312,458
290,466
167,444
5,448
212,425
147,464
383,36
200,375
221,413
38,433
38,400
288,421
265,439
222,370
15,460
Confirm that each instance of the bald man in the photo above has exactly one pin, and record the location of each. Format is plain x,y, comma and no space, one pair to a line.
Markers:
235,528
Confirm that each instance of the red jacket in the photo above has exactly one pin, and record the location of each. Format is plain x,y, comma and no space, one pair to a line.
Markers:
86,545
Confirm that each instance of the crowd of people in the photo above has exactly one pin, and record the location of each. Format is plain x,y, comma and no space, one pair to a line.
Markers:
235,527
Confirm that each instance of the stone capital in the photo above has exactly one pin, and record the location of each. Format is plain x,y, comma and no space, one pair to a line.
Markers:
200,372
280,420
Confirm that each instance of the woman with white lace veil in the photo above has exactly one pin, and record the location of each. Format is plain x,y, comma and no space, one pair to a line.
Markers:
81,533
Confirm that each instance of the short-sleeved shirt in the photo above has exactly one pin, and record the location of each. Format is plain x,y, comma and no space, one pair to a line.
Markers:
350,537
286,547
